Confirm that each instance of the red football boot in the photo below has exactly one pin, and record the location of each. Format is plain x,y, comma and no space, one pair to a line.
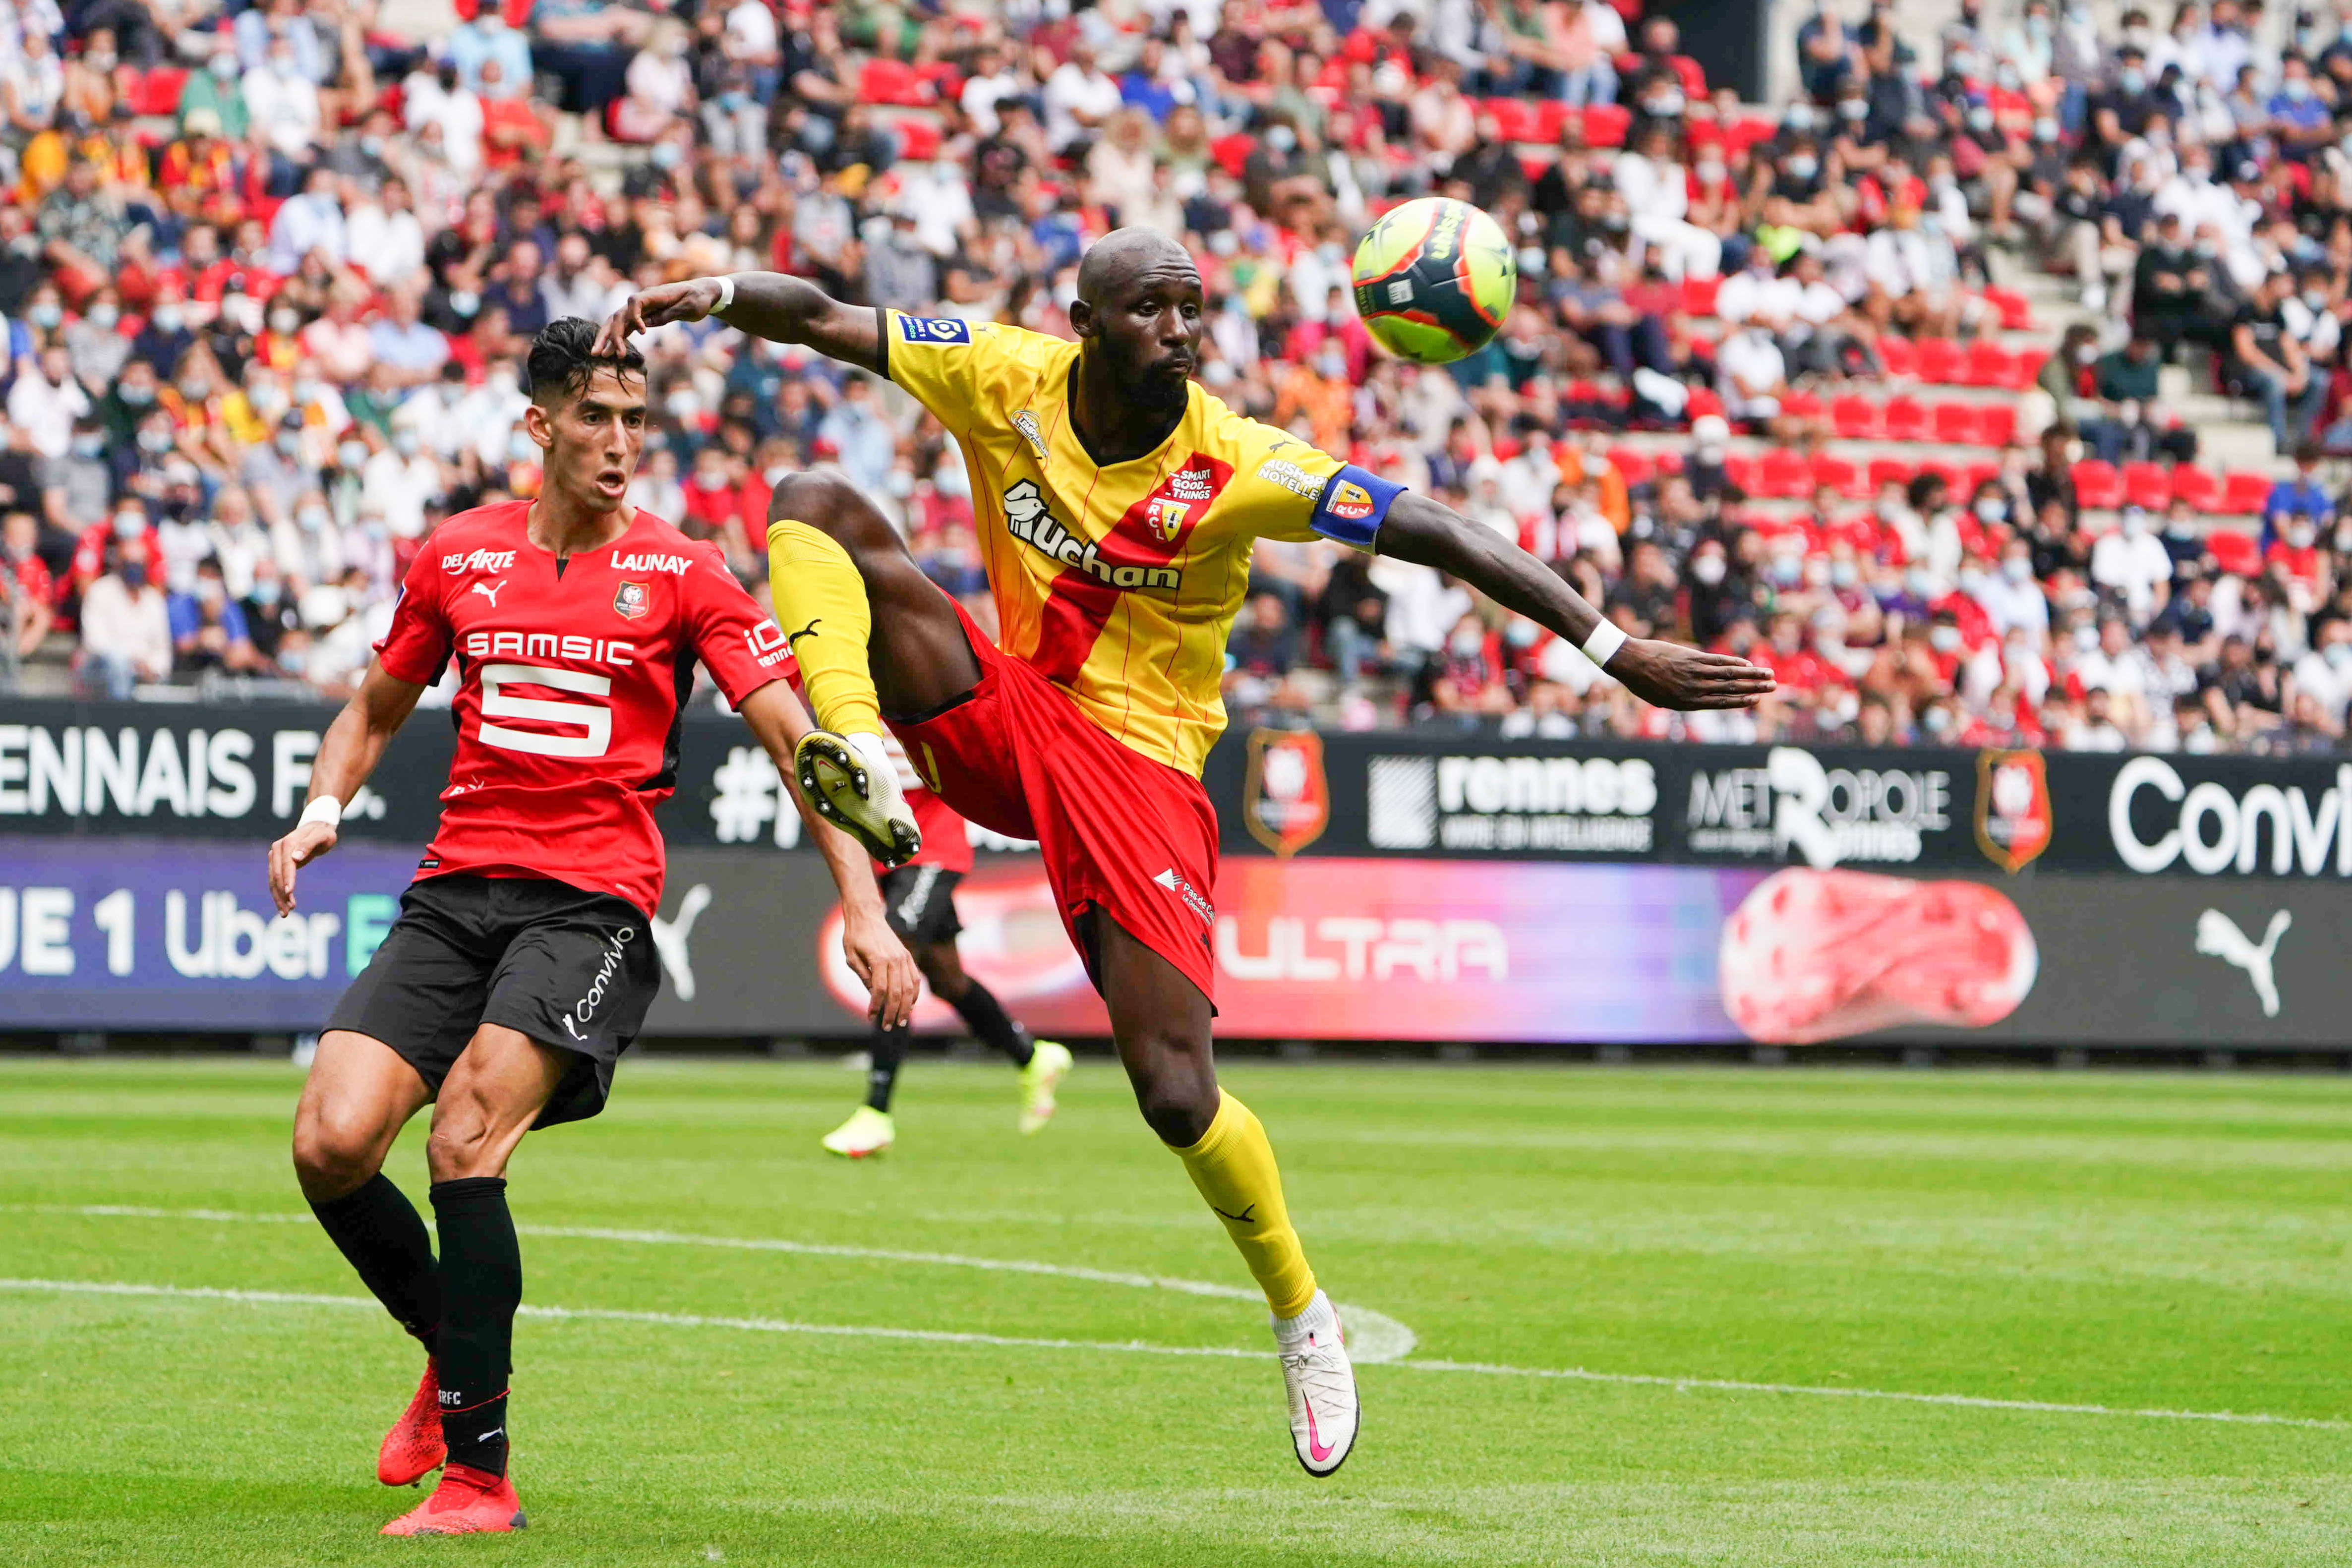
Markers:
468,1502
414,1446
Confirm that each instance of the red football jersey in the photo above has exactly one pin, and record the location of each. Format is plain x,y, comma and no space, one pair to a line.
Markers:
568,689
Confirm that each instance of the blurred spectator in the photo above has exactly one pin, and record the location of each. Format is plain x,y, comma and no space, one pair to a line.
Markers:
126,634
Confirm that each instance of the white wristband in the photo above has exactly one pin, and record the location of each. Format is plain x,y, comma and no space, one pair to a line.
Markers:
726,294
326,809
1606,639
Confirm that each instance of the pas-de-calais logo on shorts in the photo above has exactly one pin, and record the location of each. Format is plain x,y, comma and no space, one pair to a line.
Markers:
632,599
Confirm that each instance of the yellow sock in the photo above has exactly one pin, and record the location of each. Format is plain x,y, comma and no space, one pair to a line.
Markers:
816,588
1232,1165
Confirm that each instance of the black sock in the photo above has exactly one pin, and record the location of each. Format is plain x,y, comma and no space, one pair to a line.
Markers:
995,1027
482,1285
383,1237
888,1049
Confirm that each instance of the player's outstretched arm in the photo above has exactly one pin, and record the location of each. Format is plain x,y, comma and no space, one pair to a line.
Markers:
771,305
875,953
351,748
1665,674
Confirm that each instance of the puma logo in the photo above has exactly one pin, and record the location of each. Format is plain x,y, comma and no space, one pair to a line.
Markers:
1241,1219
669,939
808,630
491,590
2217,936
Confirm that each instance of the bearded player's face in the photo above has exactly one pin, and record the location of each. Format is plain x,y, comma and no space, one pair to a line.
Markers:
1150,332
593,441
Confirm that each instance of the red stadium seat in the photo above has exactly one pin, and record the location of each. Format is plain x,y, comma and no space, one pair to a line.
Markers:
2016,311
1957,423
1550,115
1996,424
1631,462
2027,368
1855,418
1885,471
1743,471
1668,462
2148,484
1605,124
1940,361
892,82
2244,493
1698,295
2193,484
156,92
1988,364
1975,474
2097,485
1803,405
919,137
2234,551
1702,402
1515,118
1955,477
1905,419
1899,355
1842,475
1784,475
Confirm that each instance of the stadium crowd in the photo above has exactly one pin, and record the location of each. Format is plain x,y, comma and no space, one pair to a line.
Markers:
265,270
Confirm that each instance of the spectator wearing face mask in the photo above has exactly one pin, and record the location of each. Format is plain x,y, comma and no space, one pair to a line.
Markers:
2299,497
208,630
2267,364
26,590
2132,564
126,632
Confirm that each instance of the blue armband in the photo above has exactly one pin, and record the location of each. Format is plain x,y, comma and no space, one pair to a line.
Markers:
1352,506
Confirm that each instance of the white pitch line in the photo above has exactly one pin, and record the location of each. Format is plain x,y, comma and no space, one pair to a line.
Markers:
1376,1337
1134,1347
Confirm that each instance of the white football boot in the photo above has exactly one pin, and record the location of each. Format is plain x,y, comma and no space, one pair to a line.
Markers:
1321,1383
854,784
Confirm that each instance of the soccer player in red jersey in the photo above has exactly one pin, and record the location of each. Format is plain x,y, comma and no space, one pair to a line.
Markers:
1117,503
919,901
522,963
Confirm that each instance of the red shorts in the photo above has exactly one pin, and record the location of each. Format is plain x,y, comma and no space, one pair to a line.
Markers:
1119,833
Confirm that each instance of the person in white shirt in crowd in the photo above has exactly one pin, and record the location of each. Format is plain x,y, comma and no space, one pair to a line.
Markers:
126,630
1651,179
1423,605
237,540
312,221
282,103
2133,562
309,544
1079,98
47,400
2326,671
991,82
2012,599
434,96
383,236
398,480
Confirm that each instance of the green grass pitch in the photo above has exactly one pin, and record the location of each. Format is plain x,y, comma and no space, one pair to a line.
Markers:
2136,1243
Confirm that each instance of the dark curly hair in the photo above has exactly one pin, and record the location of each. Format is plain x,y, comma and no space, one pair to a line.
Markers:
562,360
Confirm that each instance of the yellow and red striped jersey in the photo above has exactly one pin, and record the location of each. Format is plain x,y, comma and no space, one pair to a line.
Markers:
1119,582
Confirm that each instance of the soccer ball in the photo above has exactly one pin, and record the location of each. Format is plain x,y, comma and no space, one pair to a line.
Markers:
1435,278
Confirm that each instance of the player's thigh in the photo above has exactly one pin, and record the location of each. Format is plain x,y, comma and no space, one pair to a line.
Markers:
1160,1021
578,975
502,1080
360,1093
918,652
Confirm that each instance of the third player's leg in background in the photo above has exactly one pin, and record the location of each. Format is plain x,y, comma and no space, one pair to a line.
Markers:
1161,1022
1044,1063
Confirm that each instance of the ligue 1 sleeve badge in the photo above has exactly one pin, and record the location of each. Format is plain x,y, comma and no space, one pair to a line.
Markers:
632,599
1285,798
2013,812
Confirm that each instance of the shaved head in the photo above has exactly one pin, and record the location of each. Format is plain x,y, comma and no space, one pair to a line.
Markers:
1122,255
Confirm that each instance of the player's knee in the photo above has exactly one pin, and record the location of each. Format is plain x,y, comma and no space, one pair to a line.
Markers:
1176,1089
465,1139
335,1151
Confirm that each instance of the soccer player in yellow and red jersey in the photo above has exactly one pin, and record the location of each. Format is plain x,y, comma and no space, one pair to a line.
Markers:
1118,505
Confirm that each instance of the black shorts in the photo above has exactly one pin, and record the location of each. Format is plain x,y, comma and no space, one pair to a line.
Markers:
918,902
571,969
